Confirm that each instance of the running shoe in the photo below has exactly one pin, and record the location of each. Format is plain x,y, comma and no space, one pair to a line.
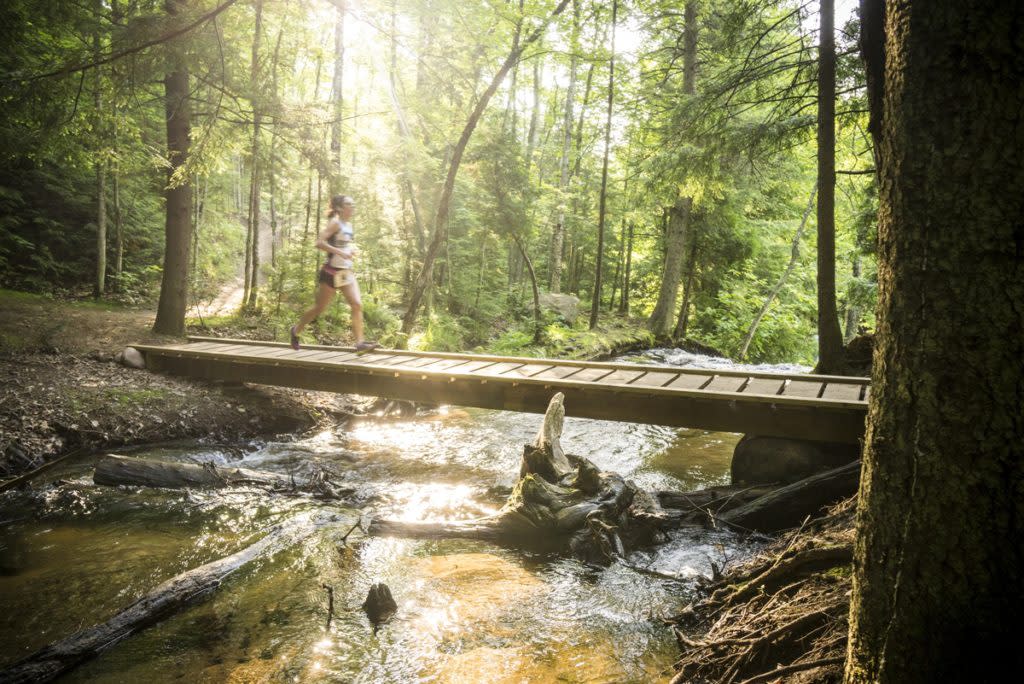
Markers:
364,347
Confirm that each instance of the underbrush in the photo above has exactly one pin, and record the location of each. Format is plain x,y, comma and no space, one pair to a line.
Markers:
781,616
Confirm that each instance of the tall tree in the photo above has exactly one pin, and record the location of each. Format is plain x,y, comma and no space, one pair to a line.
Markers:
938,558
595,299
558,234
101,161
170,313
441,216
255,177
830,338
337,177
660,321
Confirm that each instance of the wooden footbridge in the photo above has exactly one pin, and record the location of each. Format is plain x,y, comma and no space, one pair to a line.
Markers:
818,407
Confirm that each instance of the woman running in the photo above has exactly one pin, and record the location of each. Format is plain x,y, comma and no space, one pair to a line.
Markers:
336,273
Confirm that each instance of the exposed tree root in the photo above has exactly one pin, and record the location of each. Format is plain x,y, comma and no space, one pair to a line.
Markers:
781,617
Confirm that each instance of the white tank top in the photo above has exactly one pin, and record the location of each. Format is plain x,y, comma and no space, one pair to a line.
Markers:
342,239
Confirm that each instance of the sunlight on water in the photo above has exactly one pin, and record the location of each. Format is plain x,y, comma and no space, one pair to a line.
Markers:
74,554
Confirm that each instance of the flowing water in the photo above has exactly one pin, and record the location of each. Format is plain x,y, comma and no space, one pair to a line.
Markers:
72,554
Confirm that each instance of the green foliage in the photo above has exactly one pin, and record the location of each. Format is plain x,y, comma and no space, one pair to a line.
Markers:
742,147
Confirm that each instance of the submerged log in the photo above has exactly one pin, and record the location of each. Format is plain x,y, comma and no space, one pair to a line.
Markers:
163,601
787,506
119,470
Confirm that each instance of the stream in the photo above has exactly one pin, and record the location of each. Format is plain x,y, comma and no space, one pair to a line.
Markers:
72,554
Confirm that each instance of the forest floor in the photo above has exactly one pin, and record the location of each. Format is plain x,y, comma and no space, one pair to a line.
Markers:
62,392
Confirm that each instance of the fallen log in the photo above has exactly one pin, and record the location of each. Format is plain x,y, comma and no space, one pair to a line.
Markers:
788,506
701,506
163,601
118,470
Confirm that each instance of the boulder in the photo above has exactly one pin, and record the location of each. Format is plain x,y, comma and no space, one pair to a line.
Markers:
760,460
565,305
131,357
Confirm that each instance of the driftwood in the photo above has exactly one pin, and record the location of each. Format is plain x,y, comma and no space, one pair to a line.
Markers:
702,506
163,601
118,470
560,501
787,506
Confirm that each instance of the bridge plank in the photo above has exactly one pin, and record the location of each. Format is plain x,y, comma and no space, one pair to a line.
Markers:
402,361
498,368
333,357
591,374
654,379
455,365
373,359
230,349
557,373
763,386
197,346
725,383
802,388
841,391
690,381
620,377
527,370
473,365
263,352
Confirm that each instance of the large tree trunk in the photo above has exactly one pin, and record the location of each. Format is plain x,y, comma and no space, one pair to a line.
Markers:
683,320
830,338
170,313
439,237
938,560
679,218
595,298
660,321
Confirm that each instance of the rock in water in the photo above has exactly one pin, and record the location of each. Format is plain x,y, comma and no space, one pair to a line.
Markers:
379,604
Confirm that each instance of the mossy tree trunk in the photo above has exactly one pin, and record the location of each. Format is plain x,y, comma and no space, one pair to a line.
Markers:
937,584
